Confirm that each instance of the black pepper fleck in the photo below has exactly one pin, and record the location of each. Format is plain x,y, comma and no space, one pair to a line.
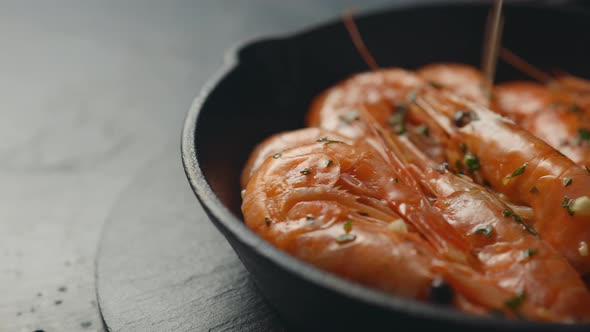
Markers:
441,292
462,118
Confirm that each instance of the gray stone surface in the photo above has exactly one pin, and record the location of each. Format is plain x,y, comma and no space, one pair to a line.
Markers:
90,91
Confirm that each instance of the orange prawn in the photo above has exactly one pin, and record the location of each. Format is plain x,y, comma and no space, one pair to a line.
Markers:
522,167
335,206
517,259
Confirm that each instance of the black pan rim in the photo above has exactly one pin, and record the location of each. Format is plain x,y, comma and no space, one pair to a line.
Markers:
226,220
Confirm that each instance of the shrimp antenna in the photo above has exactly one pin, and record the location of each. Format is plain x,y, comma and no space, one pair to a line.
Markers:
392,152
432,117
525,67
357,40
492,37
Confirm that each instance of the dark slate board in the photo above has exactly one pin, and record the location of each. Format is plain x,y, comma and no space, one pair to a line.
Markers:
162,266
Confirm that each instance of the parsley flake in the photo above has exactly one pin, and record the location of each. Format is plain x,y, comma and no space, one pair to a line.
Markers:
529,252
472,162
514,303
583,135
423,130
519,171
575,108
509,213
347,226
567,203
396,121
463,147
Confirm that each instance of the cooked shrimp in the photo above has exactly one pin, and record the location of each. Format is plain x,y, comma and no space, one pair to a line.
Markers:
463,80
335,108
336,207
522,167
517,259
275,144
554,117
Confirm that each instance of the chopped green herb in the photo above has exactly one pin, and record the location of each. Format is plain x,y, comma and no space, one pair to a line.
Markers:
486,230
575,108
534,190
267,221
345,238
463,147
394,180
472,162
329,163
509,213
396,121
458,165
514,303
347,226
309,217
277,155
324,140
567,181
518,171
583,135
527,227
487,183
529,252
305,171
423,130
567,203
